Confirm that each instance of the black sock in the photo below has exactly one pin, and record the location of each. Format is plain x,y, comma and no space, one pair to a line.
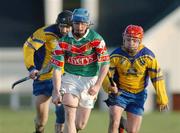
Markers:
122,122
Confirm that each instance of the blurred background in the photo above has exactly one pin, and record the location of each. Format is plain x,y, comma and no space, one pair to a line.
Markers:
159,18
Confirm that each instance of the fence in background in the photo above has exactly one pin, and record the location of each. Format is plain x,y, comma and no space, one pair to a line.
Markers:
12,68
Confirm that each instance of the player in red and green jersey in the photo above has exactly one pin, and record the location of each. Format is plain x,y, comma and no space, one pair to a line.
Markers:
131,66
85,59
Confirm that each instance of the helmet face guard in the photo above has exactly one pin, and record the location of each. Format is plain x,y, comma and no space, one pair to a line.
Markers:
80,21
132,38
80,15
64,18
131,45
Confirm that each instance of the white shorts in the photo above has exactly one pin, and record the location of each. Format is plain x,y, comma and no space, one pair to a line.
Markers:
78,86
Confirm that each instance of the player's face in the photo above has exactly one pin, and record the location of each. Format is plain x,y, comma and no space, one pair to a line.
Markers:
79,28
64,29
131,44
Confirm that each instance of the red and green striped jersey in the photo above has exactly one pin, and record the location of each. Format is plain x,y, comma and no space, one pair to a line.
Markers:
81,57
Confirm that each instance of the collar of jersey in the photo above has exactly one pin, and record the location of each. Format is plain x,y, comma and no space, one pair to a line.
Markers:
71,35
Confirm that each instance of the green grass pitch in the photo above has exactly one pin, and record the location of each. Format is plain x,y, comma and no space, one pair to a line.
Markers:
21,121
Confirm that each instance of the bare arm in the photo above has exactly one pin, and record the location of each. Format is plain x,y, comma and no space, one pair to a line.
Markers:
56,86
102,74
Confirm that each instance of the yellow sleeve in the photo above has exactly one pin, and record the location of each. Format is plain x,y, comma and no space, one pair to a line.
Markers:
113,64
38,39
106,82
158,82
33,43
28,56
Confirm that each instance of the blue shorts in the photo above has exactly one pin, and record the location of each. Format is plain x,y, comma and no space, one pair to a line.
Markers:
60,114
133,103
44,87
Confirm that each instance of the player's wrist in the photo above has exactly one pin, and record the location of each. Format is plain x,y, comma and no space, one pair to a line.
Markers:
56,92
62,92
31,68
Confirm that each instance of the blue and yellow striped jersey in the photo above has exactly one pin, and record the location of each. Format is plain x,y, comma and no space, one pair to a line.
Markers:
38,48
132,73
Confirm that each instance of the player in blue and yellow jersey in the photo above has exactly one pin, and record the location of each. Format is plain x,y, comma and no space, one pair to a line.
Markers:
85,59
131,66
37,54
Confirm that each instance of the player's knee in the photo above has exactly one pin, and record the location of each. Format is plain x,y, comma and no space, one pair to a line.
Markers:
132,130
80,125
115,124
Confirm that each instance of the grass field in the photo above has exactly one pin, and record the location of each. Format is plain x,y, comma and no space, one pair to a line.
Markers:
22,122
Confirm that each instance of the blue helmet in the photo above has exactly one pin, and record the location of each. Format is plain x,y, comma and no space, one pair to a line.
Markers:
80,15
